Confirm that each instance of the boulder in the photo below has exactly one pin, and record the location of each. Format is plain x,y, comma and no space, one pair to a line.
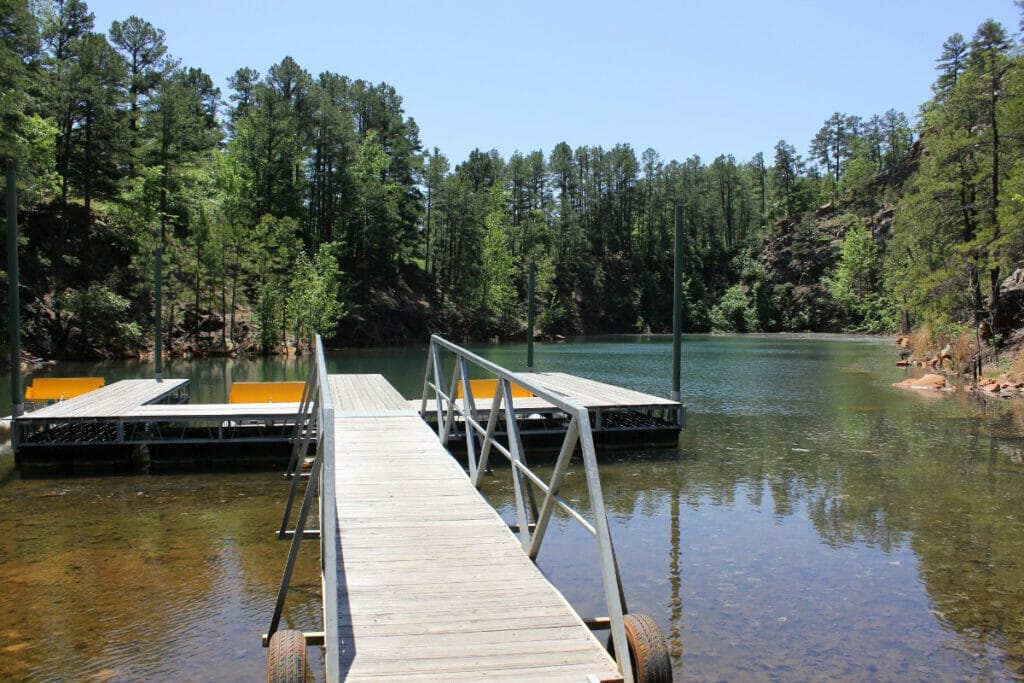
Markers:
927,382
990,385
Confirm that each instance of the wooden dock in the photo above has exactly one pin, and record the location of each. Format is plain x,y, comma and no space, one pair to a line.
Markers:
592,394
596,396
110,401
422,578
105,428
621,418
432,584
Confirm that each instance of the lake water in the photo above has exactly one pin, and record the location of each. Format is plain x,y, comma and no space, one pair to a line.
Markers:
814,524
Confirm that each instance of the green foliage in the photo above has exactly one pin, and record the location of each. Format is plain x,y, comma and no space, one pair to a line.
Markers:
19,45
269,314
498,294
734,312
37,180
315,301
323,176
855,286
102,317
958,231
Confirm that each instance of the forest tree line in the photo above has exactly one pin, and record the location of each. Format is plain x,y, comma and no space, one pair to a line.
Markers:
294,203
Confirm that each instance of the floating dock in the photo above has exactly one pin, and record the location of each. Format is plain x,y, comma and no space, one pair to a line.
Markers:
422,579
106,427
620,418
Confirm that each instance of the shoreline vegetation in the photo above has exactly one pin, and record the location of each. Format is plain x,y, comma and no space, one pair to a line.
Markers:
299,203
962,362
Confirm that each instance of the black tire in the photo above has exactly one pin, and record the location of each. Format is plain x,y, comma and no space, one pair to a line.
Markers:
286,657
648,649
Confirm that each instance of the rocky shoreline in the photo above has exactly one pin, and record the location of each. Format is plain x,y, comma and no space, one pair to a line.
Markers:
946,374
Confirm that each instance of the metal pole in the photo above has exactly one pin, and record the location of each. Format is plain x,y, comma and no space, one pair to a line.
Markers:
13,295
158,323
532,282
677,305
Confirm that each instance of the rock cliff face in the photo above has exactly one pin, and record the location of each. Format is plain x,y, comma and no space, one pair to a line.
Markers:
801,251
797,256
388,316
1009,314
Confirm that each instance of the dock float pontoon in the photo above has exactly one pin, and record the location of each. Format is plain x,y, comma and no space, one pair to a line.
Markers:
422,579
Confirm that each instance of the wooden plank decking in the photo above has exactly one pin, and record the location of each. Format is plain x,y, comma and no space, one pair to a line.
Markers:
213,411
128,413
592,394
588,393
111,401
432,585
365,395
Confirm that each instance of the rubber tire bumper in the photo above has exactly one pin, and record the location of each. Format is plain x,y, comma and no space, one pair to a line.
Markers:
648,649
286,657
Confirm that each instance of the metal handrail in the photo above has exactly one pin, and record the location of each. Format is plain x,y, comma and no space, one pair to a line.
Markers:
531,535
304,433
328,517
321,479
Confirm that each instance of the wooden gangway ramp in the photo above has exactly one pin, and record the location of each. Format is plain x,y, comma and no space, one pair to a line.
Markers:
432,584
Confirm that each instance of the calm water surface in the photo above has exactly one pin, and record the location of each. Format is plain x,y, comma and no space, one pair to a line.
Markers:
814,524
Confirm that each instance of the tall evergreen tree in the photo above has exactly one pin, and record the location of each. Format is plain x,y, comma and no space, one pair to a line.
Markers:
950,64
99,73
19,48
143,49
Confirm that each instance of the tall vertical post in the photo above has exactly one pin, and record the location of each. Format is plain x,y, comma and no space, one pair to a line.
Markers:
531,284
158,315
677,305
13,295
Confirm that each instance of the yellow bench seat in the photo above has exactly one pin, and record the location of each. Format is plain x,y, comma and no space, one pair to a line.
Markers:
266,392
61,388
485,388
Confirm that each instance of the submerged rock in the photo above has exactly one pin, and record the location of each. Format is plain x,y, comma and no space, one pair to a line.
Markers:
929,382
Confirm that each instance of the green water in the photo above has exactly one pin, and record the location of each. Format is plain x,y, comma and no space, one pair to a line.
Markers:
814,524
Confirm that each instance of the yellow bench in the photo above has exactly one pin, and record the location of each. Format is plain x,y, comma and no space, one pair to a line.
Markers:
266,392
485,388
61,388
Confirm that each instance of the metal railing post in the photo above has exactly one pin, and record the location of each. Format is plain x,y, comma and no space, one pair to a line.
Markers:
426,379
516,447
435,355
470,407
302,419
488,438
449,417
606,555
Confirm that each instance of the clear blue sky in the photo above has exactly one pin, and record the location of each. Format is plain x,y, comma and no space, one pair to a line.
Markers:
703,77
